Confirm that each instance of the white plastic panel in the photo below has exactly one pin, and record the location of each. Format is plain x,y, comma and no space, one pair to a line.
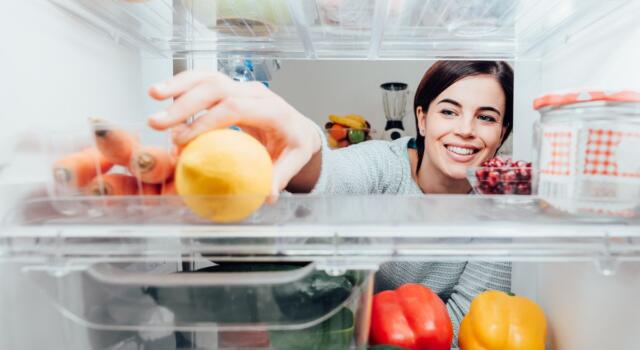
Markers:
585,308
589,310
56,73
345,28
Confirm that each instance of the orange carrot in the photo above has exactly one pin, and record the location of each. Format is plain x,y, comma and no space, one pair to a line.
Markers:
152,165
177,150
78,169
113,185
150,189
169,189
115,144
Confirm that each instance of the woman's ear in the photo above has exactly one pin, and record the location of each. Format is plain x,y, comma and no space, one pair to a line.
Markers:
502,133
422,121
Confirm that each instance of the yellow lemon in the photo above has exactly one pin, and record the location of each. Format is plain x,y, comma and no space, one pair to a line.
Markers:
224,175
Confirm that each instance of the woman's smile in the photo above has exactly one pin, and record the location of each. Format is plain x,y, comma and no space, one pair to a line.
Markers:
461,153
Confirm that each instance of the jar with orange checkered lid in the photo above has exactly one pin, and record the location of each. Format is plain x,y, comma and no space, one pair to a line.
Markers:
588,152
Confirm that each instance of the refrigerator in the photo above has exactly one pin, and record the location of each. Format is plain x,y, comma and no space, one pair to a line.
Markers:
78,274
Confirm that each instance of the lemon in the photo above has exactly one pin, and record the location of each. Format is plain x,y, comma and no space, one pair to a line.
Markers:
224,175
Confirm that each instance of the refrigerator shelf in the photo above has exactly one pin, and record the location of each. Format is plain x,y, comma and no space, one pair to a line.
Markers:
357,232
348,29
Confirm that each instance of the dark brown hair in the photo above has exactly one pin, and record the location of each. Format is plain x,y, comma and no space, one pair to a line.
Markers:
443,74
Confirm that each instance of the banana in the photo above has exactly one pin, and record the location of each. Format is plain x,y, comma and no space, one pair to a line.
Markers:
348,122
357,118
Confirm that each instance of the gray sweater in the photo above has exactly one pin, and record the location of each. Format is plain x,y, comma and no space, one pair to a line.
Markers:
378,167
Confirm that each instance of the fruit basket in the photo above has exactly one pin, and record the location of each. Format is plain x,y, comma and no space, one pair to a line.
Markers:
339,137
343,131
501,176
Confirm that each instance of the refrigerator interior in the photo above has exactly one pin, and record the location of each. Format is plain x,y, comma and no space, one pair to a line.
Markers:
66,60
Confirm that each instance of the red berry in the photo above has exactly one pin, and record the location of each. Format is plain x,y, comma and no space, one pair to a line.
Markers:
521,164
524,174
509,176
481,174
523,188
509,188
493,178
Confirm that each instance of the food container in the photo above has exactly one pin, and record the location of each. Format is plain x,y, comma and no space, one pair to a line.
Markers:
588,147
83,181
233,305
241,17
506,180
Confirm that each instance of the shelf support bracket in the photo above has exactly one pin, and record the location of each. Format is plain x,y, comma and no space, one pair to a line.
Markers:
380,14
302,27
607,264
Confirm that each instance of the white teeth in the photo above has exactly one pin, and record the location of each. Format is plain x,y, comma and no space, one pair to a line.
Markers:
460,150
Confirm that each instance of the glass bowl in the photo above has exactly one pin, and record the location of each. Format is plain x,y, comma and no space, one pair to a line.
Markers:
504,180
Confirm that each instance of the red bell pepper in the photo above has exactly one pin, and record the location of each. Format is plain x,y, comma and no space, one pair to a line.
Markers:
412,317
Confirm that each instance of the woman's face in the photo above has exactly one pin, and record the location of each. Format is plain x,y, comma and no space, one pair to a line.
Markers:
463,126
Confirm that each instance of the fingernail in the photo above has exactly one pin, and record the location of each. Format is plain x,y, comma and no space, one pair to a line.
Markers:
161,116
160,87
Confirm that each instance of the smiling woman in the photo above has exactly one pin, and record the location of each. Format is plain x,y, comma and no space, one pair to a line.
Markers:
463,113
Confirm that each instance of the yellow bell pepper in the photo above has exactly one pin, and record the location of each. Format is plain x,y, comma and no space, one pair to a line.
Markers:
501,321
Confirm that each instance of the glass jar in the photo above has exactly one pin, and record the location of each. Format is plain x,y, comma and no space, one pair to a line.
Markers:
588,152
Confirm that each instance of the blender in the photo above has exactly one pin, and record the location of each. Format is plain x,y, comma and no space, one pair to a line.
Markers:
394,101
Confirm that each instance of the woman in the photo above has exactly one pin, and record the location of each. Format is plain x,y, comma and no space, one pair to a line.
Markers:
463,113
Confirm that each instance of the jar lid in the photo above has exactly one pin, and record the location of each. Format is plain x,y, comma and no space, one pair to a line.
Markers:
556,100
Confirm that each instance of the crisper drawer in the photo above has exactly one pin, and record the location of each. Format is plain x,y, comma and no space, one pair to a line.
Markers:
232,305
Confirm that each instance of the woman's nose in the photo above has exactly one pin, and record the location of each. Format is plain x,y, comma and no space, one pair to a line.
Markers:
466,127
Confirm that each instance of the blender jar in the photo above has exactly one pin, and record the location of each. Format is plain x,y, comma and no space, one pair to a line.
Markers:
588,152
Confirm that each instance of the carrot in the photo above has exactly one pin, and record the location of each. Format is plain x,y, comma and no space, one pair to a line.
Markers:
78,169
113,185
177,150
150,189
152,165
169,189
115,144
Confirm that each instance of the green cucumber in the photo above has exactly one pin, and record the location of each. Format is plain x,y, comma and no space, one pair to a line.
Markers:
313,296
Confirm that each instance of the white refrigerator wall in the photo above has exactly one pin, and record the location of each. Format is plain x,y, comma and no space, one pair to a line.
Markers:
320,88
585,309
56,73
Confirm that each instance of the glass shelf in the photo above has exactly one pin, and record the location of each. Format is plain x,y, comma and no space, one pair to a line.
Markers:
337,231
350,29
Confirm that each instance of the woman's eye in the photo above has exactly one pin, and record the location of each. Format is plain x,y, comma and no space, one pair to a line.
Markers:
448,112
487,118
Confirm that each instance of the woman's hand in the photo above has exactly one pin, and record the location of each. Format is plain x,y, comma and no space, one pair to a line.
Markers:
290,138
